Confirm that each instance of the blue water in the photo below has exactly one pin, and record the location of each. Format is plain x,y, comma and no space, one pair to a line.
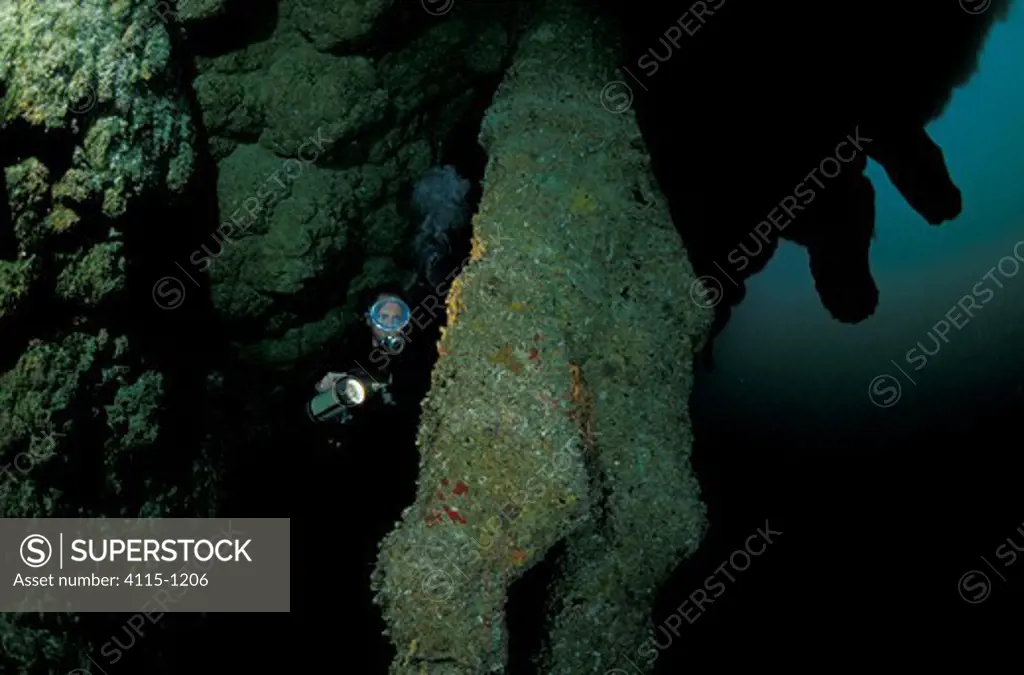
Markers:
783,357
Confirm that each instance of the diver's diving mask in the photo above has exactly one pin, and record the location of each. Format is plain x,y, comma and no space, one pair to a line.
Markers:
389,318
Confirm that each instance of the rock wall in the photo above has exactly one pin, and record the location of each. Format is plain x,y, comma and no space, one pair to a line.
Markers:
558,406
94,123
317,116
317,132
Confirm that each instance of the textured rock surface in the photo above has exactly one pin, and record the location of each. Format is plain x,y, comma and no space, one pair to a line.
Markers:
329,25
93,123
197,10
314,151
101,69
558,407
132,138
306,93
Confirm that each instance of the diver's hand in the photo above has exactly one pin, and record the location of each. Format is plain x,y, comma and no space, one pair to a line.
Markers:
328,381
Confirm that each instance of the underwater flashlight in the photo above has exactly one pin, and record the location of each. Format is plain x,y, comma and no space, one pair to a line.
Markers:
388,318
347,392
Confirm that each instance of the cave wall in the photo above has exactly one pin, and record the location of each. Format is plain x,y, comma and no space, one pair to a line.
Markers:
130,135
94,126
318,124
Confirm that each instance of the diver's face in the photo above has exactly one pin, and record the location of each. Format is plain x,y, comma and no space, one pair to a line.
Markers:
390,315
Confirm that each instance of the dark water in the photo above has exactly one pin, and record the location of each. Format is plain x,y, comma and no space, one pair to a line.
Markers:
887,452
781,333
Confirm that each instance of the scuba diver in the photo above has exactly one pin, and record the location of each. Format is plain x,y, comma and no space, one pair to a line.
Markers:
339,394
440,201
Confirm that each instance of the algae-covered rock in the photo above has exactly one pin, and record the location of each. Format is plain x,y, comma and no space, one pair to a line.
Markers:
132,417
329,24
251,182
15,280
28,187
199,10
287,224
557,412
442,61
100,73
79,424
384,227
231,104
314,151
307,93
47,401
286,220
93,276
91,100
101,69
